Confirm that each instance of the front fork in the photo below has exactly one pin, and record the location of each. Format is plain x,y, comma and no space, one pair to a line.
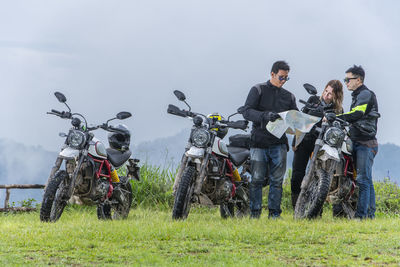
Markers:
199,180
179,173
55,168
202,175
76,169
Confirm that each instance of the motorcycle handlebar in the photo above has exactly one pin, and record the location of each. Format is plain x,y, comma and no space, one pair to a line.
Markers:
174,110
241,124
303,102
62,114
343,121
326,109
56,112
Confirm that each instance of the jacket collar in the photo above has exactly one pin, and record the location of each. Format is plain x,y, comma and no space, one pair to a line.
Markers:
269,84
358,90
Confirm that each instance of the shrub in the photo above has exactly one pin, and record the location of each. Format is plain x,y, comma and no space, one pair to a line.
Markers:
387,194
154,188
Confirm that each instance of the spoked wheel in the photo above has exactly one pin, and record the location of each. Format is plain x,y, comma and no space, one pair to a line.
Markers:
184,194
54,188
55,197
311,199
344,209
227,210
239,207
119,205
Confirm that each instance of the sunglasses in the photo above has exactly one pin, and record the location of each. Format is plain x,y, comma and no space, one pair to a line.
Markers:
283,78
346,80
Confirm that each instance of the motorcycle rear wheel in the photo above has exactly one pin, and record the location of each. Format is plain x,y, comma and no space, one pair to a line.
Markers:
227,210
241,206
311,199
107,211
184,194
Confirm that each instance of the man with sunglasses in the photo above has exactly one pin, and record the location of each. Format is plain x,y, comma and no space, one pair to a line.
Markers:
363,116
268,153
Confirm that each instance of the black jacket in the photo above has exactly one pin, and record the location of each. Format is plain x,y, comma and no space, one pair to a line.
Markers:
363,115
262,99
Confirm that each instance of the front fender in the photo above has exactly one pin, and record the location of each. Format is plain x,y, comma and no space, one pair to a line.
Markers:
69,153
327,152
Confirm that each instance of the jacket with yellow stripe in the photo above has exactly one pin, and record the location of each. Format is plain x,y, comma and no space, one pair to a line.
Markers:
363,115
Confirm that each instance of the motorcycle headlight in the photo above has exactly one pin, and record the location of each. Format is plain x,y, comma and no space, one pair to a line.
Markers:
334,137
200,137
76,139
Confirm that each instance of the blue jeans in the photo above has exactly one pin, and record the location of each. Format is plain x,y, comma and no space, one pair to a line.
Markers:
269,162
364,158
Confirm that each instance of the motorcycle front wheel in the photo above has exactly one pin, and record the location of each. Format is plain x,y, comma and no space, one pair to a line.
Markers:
121,202
184,194
311,199
51,194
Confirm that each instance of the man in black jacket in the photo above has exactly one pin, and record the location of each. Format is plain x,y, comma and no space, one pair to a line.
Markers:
268,153
363,117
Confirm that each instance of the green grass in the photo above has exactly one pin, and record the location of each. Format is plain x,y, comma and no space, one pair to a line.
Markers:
151,238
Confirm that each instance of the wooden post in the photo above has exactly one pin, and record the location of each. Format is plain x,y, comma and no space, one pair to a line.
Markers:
7,198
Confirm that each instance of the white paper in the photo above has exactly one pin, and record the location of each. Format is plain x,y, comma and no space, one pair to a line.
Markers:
292,122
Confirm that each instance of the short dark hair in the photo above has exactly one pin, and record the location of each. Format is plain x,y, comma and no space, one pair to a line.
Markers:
357,71
279,65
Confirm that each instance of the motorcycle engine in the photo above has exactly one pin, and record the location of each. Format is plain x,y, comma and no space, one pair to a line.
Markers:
83,180
218,190
214,166
101,189
224,190
345,188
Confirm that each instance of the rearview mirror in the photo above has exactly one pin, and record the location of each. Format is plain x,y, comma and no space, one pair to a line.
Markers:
181,96
61,98
310,89
123,115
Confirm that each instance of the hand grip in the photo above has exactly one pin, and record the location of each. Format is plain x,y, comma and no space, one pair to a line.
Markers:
174,110
242,124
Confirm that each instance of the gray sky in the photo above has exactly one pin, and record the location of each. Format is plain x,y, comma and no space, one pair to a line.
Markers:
108,56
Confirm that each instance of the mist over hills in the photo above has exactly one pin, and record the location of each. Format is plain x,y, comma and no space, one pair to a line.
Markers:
22,164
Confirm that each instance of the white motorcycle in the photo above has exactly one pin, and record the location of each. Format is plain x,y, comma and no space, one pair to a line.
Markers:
90,169
331,175
208,171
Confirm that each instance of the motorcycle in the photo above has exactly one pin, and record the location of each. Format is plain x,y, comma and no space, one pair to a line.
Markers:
208,171
90,170
331,174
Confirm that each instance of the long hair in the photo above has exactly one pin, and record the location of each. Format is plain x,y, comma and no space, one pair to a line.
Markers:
337,94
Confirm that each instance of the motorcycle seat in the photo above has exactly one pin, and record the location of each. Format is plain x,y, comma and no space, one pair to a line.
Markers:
238,155
116,157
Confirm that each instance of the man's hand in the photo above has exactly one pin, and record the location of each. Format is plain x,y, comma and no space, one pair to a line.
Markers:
271,116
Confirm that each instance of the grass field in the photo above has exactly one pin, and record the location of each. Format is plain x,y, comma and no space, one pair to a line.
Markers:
149,237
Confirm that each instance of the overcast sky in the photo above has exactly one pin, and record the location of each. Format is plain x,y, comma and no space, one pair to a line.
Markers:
108,56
